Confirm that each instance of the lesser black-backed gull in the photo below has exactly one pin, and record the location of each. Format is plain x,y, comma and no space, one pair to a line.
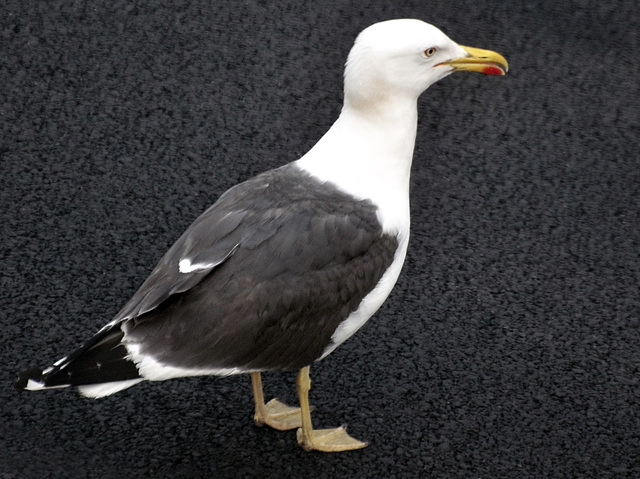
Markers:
286,266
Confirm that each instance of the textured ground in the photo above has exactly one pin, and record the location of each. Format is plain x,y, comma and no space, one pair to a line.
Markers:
510,347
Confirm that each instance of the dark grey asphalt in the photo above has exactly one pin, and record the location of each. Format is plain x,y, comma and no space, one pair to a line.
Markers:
510,347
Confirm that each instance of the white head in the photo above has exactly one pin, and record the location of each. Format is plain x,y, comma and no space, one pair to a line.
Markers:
369,149
402,58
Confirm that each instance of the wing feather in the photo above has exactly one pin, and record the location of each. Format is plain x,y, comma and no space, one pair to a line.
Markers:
293,259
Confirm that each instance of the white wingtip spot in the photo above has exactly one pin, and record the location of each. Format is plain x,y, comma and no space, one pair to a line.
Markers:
33,385
60,361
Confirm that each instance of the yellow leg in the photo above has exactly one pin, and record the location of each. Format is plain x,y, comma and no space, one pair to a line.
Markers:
326,440
275,414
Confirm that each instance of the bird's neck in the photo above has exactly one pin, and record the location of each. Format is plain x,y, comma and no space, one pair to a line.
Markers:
368,153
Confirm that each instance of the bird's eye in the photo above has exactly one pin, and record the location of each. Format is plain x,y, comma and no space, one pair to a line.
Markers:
429,52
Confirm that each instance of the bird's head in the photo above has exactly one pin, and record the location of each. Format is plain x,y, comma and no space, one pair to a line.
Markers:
404,57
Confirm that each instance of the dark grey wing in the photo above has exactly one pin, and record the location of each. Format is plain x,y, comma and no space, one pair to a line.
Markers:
210,240
304,256
206,244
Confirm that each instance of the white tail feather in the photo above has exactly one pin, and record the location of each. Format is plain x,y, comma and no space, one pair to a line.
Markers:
105,389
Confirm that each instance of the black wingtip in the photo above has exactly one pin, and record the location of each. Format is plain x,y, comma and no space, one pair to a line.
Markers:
23,378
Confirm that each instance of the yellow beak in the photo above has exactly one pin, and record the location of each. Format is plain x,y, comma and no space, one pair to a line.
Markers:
483,61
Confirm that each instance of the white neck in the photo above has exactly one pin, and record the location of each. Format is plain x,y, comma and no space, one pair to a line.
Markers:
368,153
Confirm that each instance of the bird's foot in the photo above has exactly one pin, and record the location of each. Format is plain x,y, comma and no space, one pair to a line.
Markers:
279,416
328,440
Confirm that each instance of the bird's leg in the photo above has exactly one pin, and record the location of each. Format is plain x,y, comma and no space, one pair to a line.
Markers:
274,413
326,440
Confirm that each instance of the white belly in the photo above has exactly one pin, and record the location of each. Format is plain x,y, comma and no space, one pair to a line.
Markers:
372,301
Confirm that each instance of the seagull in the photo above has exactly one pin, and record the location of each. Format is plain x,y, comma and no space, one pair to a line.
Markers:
286,266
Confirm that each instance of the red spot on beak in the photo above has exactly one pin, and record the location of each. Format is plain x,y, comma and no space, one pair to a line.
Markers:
493,71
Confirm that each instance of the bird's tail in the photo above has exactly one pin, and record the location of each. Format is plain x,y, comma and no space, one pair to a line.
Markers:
99,367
